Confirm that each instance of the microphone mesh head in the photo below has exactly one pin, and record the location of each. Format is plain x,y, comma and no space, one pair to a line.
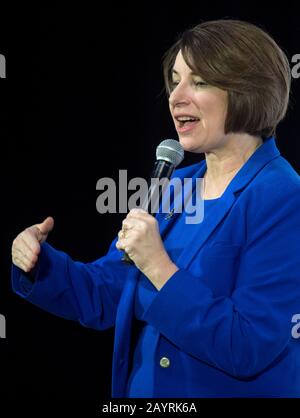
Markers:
170,150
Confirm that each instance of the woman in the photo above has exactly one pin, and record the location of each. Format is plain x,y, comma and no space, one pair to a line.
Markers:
206,310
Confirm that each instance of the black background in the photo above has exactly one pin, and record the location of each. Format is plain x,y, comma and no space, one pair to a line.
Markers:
82,100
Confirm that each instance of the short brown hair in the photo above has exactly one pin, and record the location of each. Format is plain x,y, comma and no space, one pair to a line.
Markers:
244,60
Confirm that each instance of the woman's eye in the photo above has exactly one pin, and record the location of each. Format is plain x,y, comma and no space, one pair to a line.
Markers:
200,83
173,84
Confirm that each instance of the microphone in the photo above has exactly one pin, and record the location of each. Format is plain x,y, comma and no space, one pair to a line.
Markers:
169,155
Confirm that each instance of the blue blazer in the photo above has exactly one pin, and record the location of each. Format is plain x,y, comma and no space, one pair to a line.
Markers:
227,330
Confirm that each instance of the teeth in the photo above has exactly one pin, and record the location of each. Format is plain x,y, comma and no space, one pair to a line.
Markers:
186,118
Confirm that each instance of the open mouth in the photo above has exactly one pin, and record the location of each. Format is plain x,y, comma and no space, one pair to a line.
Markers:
186,122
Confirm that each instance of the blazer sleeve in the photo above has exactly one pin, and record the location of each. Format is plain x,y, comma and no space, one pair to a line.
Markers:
85,292
245,332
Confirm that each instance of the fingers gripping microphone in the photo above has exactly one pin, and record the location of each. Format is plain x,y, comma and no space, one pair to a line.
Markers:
169,155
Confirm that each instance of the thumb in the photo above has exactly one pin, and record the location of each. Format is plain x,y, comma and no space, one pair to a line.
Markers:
46,226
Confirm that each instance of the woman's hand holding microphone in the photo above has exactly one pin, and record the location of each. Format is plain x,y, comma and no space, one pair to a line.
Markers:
141,240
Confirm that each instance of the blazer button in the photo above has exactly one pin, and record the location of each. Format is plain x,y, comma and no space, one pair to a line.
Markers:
164,362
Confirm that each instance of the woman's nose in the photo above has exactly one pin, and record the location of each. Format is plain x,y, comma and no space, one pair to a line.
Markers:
179,96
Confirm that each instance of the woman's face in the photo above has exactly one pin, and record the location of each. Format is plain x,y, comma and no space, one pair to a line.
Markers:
198,109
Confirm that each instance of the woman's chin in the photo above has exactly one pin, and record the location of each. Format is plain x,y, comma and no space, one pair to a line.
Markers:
189,145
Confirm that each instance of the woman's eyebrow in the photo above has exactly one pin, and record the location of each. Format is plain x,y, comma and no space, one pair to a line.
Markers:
191,73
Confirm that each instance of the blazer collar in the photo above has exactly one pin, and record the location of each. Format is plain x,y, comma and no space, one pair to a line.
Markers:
262,156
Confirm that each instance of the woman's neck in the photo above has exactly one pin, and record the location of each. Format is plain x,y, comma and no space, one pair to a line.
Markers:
224,163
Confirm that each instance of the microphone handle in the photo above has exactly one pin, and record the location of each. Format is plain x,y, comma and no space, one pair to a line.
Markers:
162,170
